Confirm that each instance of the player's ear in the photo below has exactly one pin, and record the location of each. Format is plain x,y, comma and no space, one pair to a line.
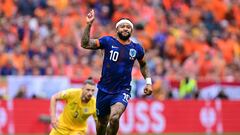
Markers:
117,29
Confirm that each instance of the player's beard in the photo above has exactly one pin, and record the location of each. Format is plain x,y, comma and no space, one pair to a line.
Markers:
122,37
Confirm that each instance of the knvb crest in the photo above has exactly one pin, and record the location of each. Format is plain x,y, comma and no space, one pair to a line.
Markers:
132,53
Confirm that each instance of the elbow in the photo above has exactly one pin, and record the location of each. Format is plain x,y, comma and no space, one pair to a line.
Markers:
84,44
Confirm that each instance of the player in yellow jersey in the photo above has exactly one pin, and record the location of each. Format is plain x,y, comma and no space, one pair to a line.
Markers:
80,104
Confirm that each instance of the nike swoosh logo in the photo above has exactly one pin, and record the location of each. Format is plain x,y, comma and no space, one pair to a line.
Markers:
114,47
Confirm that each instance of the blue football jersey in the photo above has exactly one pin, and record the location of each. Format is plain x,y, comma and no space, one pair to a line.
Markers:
117,64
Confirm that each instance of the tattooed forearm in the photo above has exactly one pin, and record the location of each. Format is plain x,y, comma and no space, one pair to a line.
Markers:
144,68
86,36
86,42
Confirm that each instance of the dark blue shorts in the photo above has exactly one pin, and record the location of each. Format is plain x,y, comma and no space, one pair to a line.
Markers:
105,101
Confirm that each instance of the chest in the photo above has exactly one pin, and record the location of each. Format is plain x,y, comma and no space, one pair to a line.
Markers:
78,110
120,53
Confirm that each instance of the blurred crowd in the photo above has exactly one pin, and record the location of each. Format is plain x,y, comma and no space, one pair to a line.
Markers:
197,39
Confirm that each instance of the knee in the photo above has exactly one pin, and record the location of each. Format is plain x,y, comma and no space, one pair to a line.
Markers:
102,124
115,118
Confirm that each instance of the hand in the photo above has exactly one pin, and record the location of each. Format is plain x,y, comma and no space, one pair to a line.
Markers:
90,17
148,90
54,122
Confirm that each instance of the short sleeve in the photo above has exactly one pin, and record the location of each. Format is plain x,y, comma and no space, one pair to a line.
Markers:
140,52
103,41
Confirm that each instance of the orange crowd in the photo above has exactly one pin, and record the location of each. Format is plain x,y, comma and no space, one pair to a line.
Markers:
197,38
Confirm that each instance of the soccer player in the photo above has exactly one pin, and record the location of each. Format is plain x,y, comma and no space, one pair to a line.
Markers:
80,104
114,85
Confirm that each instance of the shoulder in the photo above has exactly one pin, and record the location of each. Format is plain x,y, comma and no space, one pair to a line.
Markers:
70,94
93,100
139,50
105,41
73,91
137,46
107,37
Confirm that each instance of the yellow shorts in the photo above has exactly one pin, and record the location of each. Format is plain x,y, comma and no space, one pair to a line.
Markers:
59,131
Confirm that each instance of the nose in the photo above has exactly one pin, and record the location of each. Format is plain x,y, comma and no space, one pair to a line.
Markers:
90,93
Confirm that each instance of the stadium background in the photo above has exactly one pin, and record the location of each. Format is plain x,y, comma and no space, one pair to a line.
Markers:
40,54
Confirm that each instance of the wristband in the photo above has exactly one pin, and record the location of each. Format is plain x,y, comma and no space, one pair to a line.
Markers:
148,80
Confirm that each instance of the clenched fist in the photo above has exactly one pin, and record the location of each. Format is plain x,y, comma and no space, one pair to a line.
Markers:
148,90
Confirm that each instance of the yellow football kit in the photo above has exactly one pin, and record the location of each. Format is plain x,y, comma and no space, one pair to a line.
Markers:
73,119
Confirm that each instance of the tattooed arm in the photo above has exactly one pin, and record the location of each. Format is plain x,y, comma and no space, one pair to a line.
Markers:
86,42
144,68
146,74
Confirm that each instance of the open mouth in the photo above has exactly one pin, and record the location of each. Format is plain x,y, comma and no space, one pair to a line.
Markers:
125,33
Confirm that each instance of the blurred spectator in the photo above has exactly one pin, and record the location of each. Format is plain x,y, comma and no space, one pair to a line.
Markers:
161,90
105,11
222,95
3,94
187,88
201,37
22,92
8,69
3,88
158,92
26,7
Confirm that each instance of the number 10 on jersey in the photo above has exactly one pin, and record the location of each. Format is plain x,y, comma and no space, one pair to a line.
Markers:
114,55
